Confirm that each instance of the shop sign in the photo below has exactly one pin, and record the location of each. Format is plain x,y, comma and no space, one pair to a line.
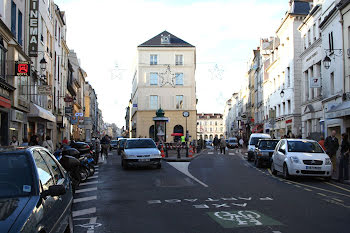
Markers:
4,92
49,125
6,103
44,90
289,121
17,116
68,110
33,28
22,68
74,120
68,99
315,82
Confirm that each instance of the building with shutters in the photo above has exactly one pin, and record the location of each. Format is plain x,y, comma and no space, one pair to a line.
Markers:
164,78
210,125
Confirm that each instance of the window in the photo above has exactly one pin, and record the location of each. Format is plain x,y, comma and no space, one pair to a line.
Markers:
56,29
283,145
288,76
319,29
179,78
2,62
179,101
19,38
314,31
154,101
332,83
43,171
53,166
289,107
13,18
330,41
154,79
309,37
305,42
179,60
154,59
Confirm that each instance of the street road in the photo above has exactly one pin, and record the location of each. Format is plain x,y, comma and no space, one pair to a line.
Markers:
214,193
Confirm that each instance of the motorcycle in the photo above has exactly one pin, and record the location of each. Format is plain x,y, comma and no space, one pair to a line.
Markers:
88,162
71,165
84,171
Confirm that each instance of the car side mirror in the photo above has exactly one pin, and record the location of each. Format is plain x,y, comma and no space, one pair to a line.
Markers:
54,191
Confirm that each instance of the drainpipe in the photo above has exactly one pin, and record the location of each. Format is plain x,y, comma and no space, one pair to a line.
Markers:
343,47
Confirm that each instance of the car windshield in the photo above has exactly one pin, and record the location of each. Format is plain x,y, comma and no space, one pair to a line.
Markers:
145,143
15,175
233,140
114,142
122,142
268,144
304,146
254,141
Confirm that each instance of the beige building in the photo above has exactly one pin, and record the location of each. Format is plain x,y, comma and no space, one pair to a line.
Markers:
164,78
210,125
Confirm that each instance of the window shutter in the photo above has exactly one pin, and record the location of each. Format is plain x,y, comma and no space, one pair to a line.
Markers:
160,102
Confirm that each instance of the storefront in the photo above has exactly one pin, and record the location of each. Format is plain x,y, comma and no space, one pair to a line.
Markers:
41,122
5,106
18,125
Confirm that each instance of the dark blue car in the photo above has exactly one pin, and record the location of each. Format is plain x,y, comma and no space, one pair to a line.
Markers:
35,192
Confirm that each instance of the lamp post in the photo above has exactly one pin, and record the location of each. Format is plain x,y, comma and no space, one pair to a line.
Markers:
327,62
282,93
186,115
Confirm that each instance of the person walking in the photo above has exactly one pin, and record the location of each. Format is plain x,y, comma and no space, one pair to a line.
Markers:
332,146
65,141
321,142
14,141
47,143
241,142
344,158
105,145
222,145
216,143
97,149
34,141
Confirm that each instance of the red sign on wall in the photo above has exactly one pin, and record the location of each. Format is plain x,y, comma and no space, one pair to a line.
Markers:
22,68
289,121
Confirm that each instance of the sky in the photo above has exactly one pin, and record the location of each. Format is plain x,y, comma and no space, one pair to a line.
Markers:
105,35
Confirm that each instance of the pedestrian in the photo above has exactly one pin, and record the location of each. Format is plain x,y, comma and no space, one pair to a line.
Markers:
65,141
34,141
344,158
216,142
105,145
321,142
241,142
97,149
14,141
25,142
222,145
331,143
47,143
293,136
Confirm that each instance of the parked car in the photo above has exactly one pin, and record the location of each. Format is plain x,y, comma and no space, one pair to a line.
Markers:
299,157
263,151
121,143
35,192
141,152
114,144
253,141
232,143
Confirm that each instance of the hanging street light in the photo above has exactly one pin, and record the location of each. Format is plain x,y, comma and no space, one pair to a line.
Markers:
43,64
327,62
282,93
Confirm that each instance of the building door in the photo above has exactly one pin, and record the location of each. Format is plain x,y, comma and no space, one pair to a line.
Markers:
178,129
4,129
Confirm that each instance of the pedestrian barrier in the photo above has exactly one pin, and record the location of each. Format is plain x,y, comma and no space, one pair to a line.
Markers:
190,152
162,152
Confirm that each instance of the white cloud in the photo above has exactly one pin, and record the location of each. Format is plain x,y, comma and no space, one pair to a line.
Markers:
106,31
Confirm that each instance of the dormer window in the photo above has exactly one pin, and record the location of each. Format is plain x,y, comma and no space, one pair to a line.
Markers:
165,39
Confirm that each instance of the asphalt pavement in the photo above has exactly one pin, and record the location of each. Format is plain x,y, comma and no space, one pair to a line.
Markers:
212,193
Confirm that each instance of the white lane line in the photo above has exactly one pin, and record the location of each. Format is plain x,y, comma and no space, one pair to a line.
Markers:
92,177
96,173
86,190
84,212
88,183
210,153
96,169
231,153
183,167
96,166
85,199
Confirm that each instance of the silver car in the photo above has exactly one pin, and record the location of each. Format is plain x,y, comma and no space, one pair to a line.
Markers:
141,152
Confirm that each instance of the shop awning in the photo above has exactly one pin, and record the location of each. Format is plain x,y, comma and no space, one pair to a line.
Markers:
37,111
177,134
340,110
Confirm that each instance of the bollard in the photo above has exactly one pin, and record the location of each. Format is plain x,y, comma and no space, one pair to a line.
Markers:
166,152
178,152
186,150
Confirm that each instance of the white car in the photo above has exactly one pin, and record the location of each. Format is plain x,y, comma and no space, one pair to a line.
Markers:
253,141
141,152
299,157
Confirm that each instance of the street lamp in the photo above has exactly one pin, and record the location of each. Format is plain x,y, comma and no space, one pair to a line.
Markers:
282,93
327,62
43,64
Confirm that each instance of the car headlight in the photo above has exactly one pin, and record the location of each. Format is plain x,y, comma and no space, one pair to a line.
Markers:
328,161
294,159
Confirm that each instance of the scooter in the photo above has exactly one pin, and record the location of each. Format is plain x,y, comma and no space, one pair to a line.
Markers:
82,169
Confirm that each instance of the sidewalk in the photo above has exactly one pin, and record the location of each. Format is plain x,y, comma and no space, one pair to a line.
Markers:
172,156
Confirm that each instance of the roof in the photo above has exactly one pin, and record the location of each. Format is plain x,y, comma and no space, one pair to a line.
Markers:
300,8
174,41
342,4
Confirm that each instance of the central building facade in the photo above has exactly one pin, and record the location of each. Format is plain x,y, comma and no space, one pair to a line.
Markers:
164,78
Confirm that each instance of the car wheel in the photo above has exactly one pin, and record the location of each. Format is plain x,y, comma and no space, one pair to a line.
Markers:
257,163
159,165
91,170
84,174
328,178
70,227
273,170
285,172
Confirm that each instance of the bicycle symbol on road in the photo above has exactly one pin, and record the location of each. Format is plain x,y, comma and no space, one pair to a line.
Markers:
241,217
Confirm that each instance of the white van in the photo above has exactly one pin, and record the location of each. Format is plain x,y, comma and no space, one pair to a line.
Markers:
253,141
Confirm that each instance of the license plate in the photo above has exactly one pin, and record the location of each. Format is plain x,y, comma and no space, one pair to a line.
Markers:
144,160
312,168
